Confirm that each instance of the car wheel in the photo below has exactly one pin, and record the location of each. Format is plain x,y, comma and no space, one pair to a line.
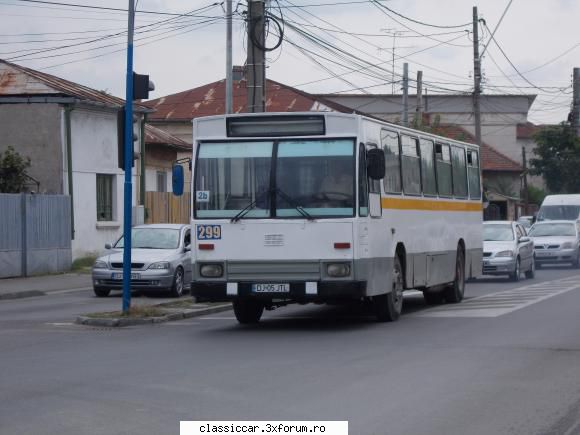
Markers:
433,298
248,311
531,274
177,287
388,307
515,276
577,262
454,292
101,292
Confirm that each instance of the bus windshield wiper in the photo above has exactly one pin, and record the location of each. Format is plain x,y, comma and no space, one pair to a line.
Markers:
294,204
250,206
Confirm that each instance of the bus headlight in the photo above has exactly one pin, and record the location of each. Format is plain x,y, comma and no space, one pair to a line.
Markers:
211,270
338,270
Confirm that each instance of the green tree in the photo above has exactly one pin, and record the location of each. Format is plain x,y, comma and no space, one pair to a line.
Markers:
13,171
558,158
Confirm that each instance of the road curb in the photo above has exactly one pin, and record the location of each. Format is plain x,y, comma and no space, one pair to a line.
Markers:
172,315
21,295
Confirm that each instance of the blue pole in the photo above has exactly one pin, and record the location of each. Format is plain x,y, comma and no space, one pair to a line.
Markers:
128,150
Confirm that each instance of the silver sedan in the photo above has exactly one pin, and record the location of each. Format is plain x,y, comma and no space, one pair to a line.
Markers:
557,242
507,250
160,260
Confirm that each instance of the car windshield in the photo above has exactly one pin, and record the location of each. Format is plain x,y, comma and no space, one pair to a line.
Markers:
311,176
546,230
498,233
559,212
152,238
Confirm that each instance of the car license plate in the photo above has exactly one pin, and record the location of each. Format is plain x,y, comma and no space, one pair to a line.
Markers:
544,254
271,288
120,276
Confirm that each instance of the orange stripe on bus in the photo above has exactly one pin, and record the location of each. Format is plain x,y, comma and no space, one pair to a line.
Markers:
429,204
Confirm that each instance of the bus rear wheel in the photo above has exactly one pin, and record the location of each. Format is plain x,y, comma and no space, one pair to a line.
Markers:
455,291
388,307
248,311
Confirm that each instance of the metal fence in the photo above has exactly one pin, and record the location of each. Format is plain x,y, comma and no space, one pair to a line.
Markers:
164,207
35,234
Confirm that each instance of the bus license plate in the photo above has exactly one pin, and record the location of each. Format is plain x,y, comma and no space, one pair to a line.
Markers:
120,276
271,288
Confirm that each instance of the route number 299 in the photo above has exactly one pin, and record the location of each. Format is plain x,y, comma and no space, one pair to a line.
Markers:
209,232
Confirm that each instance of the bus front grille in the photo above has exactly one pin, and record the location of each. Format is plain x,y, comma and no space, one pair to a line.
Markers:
275,271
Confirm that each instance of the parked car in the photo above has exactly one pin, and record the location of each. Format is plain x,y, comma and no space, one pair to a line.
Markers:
526,221
507,250
160,260
556,242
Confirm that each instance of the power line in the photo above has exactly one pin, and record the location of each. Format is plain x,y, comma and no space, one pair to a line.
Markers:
103,7
420,22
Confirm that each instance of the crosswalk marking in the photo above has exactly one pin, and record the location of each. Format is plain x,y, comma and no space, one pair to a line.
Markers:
504,302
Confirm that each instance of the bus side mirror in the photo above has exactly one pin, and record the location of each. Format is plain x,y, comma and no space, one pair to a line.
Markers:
177,180
376,164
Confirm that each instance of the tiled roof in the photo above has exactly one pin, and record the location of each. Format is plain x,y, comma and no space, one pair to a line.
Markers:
491,159
210,100
527,130
19,81
156,136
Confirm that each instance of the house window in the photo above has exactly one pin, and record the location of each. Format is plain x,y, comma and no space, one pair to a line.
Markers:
161,181
105,183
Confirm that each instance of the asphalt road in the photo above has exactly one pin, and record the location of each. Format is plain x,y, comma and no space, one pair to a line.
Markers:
505,361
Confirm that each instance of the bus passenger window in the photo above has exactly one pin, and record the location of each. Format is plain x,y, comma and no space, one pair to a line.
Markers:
459,172
428,168
473,174
411,166
390,144
443,167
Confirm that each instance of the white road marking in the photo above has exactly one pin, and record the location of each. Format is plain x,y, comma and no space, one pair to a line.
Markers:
504,302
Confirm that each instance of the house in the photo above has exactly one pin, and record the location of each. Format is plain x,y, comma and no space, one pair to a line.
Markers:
69,131
173,113
161,150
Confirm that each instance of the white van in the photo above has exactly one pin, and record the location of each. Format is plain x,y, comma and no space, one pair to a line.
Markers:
560,207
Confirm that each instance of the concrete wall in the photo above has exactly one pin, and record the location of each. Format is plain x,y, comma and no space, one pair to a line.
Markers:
35,131
94,151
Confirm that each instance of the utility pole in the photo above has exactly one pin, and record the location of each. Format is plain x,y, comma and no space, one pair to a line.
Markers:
256,63
525,181
405,117
128,147
576,102
419,110
476,78
229,87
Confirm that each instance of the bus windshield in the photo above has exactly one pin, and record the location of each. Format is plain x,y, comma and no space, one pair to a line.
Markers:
275,178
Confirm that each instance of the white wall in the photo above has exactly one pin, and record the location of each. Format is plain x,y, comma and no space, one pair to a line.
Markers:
151,178
94,151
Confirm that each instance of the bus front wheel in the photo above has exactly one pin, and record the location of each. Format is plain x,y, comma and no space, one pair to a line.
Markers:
248,311
388,307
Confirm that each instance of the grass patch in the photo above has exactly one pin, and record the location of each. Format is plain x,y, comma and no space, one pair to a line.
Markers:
83,264
136,312
182,303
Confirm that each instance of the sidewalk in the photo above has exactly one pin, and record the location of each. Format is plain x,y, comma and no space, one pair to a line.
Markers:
15,288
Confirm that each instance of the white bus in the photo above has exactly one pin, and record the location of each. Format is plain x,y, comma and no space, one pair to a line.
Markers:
330,208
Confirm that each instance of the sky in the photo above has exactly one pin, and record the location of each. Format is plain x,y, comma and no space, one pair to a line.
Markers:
328,45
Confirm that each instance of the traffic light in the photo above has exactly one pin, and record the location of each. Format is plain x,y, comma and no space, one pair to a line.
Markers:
121,138
141,86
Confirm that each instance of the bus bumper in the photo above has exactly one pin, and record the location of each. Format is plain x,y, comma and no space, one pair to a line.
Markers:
317,291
